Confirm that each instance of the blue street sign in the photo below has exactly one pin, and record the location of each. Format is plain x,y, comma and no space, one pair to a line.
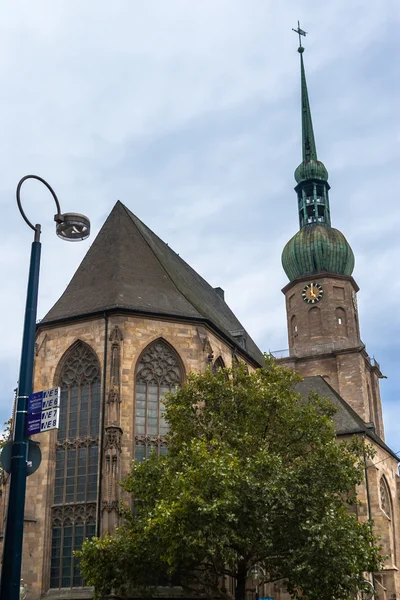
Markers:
35,403
43,411
33,423
44,400
43,421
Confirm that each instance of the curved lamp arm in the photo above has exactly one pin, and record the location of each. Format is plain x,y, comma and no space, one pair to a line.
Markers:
71,227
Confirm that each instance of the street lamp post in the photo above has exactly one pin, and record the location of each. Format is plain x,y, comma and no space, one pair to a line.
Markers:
257,573
71,227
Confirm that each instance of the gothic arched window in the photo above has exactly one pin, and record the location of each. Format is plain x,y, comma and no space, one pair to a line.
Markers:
389,541
76,475
218,364
386,504
159,370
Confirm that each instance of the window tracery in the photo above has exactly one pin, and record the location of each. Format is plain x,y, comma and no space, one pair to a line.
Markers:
218,364
76,474
158,372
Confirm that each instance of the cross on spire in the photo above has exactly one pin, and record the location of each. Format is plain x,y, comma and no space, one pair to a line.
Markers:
300,32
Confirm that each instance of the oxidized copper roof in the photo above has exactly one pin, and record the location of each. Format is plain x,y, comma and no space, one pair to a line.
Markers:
317,249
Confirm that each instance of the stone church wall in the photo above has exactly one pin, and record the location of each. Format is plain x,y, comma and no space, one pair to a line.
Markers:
197,347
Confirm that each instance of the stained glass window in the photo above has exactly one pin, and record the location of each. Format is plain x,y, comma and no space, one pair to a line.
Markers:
159,371
76,469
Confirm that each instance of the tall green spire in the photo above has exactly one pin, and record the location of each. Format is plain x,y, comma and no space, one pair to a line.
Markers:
317,247
309,147
311,167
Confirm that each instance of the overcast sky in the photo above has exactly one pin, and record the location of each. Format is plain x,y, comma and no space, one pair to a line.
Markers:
189,113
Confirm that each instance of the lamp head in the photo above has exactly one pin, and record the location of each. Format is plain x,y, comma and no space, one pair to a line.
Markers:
72,227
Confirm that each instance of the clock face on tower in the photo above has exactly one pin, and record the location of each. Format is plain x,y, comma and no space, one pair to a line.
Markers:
312,293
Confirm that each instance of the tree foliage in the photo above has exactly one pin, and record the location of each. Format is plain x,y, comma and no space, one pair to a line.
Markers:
253,476
6,433
5,436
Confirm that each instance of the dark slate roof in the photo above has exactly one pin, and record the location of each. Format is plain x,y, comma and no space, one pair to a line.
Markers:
129,267
346,420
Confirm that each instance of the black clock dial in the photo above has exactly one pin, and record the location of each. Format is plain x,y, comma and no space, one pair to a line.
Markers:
312,293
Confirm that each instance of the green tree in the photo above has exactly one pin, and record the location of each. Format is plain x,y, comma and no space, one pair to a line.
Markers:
4,437
6,433
253,476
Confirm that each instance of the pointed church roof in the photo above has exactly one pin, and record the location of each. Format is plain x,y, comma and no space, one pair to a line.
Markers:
128,267
317,247
308,139
310,167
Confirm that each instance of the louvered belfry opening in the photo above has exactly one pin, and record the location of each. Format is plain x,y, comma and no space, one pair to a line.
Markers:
73,514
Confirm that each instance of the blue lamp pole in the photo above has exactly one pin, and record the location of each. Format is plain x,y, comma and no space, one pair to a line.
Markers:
71,227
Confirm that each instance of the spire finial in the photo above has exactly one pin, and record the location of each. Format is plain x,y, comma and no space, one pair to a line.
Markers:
300,32
309,147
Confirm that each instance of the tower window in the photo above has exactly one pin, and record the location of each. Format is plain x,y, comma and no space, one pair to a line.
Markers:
321,213
310,210
309,190
341,321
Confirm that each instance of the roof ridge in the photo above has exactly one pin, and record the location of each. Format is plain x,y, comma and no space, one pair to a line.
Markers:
344,403
129,212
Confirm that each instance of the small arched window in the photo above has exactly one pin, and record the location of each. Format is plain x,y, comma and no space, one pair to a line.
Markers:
159,370
76,475
218,364
341,321
315,321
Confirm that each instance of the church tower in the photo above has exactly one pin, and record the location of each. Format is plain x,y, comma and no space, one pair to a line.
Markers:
321,296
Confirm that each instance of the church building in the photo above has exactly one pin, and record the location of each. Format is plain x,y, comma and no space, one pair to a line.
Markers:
134,321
